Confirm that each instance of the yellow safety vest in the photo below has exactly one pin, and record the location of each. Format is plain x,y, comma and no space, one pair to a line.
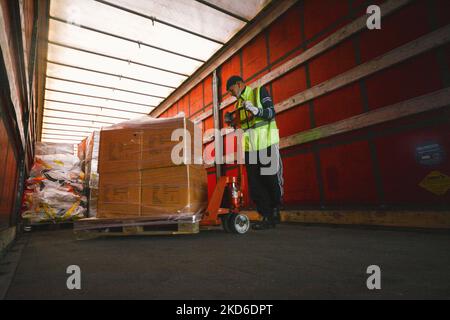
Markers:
258,134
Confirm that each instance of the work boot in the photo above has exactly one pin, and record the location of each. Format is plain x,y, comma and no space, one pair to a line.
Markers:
276,216
265,223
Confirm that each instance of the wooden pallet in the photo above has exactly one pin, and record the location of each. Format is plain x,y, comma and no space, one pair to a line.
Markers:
91,228
46,226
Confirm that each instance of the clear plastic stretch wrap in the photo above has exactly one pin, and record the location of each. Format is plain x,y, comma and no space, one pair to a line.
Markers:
54,190
92,151
92,176
138,178
47,148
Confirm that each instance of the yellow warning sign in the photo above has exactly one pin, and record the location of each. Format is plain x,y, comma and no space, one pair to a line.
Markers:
436,182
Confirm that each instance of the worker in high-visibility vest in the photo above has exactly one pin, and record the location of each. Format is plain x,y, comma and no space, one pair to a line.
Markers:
261,146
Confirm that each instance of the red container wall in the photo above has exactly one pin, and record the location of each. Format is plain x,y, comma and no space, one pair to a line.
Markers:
8,178
401,172
21,41
196,100
372,167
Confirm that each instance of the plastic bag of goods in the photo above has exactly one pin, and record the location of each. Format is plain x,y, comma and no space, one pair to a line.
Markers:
54,190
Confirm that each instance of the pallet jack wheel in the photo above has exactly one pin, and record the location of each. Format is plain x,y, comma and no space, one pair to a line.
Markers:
226,223
238,223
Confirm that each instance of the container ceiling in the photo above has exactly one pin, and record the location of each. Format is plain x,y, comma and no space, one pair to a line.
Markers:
115,60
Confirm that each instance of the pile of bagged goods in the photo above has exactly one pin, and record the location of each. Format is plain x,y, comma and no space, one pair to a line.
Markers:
54,191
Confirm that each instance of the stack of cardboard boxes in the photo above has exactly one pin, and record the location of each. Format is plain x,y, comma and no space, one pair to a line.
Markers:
138,177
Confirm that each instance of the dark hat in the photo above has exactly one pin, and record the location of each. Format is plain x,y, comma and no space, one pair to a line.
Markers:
233,80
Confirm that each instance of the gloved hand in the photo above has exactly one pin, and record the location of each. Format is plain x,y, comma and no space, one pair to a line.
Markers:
250,107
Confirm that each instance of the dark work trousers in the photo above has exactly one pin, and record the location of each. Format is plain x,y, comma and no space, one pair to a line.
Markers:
266,188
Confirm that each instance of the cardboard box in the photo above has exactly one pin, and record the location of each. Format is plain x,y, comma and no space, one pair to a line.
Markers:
174,190
178,191
119,195
120,150
147,146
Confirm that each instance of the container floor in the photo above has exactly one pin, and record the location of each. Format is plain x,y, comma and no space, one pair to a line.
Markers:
290,262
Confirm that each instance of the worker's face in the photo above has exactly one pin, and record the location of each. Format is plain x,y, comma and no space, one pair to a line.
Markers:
236,89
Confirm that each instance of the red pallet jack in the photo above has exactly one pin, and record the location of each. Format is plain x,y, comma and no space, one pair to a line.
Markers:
227,198
227,191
